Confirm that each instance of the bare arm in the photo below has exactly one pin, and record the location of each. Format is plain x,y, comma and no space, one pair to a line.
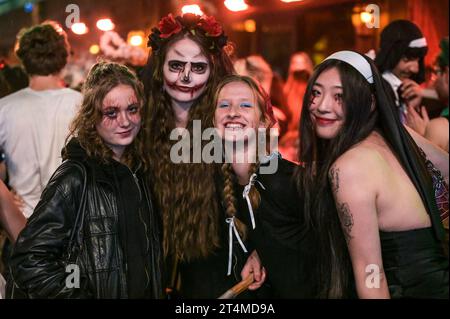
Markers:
434,153
437,132
10,216
355,201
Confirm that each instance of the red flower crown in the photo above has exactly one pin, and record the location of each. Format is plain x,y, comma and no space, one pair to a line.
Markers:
169,26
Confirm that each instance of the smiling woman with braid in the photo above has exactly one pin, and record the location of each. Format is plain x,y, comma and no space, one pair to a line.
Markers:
260,194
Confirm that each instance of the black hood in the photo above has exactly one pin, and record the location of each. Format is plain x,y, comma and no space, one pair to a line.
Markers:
394,44
74,151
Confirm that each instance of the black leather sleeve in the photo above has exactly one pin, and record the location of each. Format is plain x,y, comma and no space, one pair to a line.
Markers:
37,263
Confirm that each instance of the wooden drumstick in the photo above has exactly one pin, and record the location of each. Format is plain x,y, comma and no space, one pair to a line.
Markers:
234,291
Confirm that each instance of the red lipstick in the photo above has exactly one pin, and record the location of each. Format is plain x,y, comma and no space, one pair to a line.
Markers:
324,121
185,89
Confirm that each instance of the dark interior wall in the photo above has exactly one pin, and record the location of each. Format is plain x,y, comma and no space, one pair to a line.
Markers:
318,31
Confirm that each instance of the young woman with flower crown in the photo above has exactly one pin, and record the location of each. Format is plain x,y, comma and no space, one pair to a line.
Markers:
189,55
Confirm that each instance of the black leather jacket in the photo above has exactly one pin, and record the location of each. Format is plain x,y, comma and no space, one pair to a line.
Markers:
38,263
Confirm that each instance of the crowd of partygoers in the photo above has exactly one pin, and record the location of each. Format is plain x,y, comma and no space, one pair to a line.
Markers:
95,206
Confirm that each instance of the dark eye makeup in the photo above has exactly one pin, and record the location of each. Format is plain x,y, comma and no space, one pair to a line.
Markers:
196,67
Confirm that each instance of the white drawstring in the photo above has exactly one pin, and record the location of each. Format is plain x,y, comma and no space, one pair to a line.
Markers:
245,194
231,229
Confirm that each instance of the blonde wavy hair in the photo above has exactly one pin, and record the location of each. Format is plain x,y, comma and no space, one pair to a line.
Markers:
102,78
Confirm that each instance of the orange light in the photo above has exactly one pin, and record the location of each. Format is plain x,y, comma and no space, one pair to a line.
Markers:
235,5
94,49
79,28
287,1
366,17
250,25
105,24
192,8
136,40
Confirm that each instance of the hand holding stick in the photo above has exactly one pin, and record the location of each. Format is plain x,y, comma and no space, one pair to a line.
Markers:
234,291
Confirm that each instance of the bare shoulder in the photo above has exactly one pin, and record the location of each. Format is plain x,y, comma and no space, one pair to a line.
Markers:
360,168
360,160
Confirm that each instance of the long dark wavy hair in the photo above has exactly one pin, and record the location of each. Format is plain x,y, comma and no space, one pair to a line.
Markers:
367,108
102,78
185,192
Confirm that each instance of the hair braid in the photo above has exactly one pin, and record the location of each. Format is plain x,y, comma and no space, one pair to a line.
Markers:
229,199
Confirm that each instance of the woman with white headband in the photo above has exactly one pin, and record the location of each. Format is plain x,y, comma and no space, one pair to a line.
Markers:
366,188
400,60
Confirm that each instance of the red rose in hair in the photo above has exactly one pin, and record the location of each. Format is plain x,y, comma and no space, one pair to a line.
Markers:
211,26
169,26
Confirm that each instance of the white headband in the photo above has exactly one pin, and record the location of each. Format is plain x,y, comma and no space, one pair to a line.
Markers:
356,61
418,43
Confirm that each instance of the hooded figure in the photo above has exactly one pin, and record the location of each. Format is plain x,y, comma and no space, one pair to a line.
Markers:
402,38
401,43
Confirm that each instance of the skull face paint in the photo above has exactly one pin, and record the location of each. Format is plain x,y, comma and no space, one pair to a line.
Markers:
186,71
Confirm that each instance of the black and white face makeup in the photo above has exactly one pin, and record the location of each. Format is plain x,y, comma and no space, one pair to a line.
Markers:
186,71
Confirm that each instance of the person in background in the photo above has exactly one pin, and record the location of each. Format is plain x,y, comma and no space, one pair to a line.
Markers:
437,130
12,220
300,70
34,121
16,78
257,68
400,60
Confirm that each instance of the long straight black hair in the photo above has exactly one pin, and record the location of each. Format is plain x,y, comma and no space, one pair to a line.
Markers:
367,108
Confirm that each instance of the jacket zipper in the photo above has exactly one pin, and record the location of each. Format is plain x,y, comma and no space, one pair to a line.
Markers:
136,180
